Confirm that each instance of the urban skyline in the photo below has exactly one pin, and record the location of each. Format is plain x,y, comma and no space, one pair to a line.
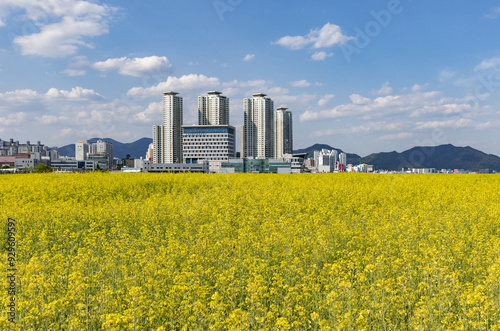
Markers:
266,133
378,76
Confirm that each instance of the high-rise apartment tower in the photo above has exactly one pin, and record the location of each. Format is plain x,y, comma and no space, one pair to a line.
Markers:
258,128
172,128
157,143
213,109
283,133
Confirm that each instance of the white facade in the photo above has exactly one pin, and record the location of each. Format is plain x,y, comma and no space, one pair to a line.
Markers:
157,143
283,134
258,132
25,163
342,162
242,137
101,152
213,109
104,148
174,167
172,128
208,143
73,165
327,160
149,153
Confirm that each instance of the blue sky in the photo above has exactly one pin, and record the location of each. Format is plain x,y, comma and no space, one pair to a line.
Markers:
363,76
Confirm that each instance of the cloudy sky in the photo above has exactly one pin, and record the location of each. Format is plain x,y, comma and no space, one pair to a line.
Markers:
364,76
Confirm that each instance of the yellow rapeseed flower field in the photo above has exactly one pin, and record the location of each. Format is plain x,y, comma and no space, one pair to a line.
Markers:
104,251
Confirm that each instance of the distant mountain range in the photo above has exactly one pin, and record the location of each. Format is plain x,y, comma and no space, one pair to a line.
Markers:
136,149
439,157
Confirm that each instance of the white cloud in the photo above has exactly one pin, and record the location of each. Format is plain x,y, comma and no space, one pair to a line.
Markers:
248,83
39,10
68,132
78,67
320,56
14,118
384,90
3,13
53,94
489,64
19,96
136,67
293,43
493,13
76,93
276,91
151,114
300,83
358,99
231,91
328,36
417,87
397,136
64,25
413,104
181,84
325,99
249,57
451,108
51,119
460,123
376,126
446,75
364,128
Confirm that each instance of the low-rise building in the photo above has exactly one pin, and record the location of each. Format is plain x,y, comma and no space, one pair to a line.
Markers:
25,163
423,170
73,165
208,143
147,166
258,165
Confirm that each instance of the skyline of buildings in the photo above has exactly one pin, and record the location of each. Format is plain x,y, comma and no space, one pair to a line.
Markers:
214,139
13,158
102,152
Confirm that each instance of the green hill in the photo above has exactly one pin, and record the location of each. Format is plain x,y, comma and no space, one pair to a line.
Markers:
439,157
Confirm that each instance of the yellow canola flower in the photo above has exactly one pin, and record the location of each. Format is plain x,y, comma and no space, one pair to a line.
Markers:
186,251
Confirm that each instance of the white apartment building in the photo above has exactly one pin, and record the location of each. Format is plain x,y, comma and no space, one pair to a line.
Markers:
213,109
283,134
208,143
82,148
342,162
157,143
258,131
172,128
101,152
327,160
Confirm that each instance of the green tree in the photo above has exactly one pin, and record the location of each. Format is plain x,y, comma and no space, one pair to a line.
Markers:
41,168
